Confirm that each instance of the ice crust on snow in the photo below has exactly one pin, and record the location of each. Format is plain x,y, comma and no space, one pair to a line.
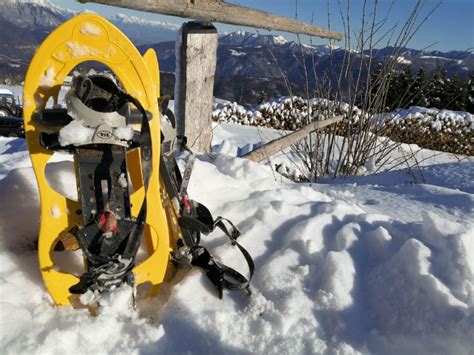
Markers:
368,265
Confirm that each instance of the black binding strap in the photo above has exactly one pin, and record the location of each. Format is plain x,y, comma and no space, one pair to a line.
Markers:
194,219
133,242
219,222
108,271
199,220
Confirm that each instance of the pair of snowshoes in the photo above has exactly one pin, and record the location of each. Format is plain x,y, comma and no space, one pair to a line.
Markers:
130,189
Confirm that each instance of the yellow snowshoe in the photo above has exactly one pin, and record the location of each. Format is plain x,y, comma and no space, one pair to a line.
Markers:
117,165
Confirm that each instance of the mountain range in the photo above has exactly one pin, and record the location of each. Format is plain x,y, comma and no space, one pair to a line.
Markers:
26,23
247,63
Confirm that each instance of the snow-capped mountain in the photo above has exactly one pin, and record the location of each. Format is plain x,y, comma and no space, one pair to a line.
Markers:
143,31
245,58
25,24
122,19
39,17
28,21
248,39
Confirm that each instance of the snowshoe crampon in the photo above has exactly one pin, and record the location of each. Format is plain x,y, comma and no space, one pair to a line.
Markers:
109,216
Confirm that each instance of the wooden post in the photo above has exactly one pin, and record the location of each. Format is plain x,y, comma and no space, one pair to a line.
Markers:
277,145
196,57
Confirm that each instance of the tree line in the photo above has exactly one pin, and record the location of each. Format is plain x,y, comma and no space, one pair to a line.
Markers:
436,89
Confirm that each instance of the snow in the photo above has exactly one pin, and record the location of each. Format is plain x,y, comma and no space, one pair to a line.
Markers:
435,57
280,40
134,20
235,53
5,92
38,2
78,50
375,264
47,80
90,29
75,133
403,60
236,140
12,155
124,133
122,181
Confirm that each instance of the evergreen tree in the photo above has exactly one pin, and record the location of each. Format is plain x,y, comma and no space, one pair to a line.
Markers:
436,89
470,94
457,93
401,87
262,97
419,88
374,81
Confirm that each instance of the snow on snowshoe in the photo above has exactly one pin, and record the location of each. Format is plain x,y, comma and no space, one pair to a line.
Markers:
117,167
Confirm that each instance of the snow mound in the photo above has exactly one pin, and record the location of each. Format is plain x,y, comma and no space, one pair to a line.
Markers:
330,277
13,155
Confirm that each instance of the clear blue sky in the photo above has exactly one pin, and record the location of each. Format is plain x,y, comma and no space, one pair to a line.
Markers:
450,27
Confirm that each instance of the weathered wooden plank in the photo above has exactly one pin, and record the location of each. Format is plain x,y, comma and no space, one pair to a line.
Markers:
277,145
196,51
219,11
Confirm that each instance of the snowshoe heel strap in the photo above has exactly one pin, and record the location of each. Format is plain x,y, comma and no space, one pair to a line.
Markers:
222,276
198,218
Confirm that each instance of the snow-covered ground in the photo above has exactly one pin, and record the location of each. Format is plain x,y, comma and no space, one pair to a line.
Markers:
373,264
237,140
17,91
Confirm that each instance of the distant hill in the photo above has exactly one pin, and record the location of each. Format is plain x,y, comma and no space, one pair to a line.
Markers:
26,23
245,61
256,62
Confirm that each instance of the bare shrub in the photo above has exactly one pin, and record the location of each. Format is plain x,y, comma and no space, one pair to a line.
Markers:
359,145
